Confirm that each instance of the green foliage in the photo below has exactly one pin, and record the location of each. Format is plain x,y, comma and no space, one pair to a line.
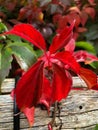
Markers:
5,62
83,45
2,27
94,65
14,47
92,33
13,38
23,50
96,128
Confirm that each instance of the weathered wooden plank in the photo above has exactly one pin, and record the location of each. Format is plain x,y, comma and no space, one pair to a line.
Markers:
8,84
78,112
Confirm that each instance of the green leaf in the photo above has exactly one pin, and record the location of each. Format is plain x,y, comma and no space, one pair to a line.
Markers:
1,46
5,61
92,32
52,8
96,128
2,27
23,51
94,65
39,53
14,38
44,2
86,46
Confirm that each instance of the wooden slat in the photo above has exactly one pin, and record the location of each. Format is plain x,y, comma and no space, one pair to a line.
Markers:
8,84
78,112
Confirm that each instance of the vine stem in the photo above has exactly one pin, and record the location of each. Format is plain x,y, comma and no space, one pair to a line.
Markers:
52,122
56,113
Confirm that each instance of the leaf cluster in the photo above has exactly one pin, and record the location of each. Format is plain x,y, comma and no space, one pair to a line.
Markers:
14,48
49,17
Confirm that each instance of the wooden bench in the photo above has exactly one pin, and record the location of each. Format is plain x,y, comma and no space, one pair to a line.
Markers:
78,112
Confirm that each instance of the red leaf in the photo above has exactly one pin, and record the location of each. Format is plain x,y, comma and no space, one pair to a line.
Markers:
61,21
23,12
50,127
96,87
29,33
73,16
92,2
75,35
61,85
56,18
10,6
29,88
46,94
61,39
29,112
90,11
70,46
89,77
83,56
12,93
84,17
81,29
68,59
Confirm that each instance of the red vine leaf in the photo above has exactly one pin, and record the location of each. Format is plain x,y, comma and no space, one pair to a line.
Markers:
29,88
90,11
62,83
29,112
61,39
89,77
29,33
68,59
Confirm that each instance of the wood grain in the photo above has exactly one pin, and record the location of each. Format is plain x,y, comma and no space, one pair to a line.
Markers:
8,84
78,112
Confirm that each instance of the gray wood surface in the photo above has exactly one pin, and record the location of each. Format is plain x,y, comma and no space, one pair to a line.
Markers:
78,112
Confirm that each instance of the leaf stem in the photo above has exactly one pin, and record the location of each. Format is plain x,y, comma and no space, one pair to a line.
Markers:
52,122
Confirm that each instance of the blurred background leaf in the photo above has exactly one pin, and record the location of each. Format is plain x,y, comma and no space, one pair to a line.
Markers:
83,45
